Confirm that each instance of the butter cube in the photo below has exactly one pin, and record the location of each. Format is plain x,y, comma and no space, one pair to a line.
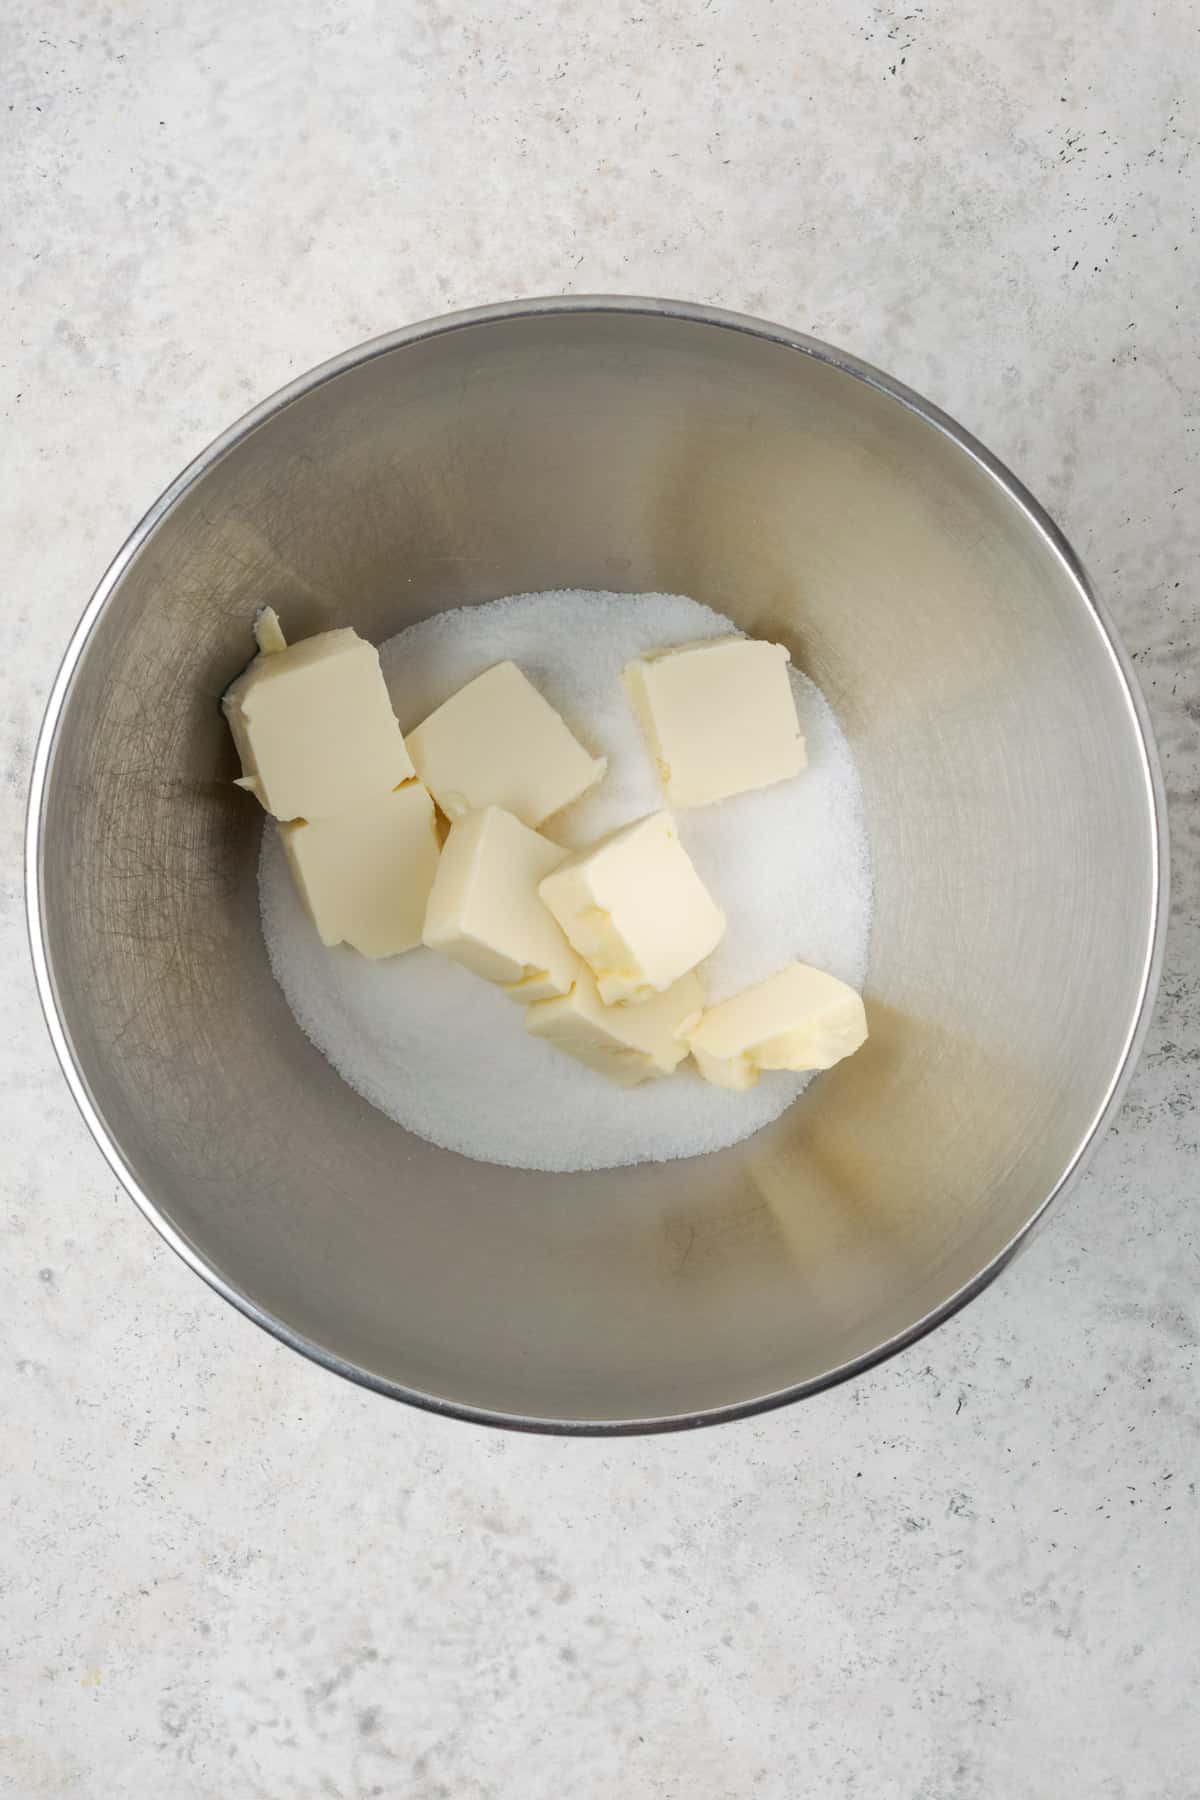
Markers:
635,909
719,717
365,876
497,742
629,1044
799,1018
484,911
314,726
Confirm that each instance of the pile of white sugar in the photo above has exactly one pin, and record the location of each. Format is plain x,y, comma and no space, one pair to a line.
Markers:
447,1055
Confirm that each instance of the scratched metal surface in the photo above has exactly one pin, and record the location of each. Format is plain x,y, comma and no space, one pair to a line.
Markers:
1010,806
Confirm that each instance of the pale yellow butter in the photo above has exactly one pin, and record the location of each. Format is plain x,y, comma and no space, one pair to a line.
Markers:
719,717
268,632
799,1018
635,909
314,726
498,742
365,876
484,911
629,1044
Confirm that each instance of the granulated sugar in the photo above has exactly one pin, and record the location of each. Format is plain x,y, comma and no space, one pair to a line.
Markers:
446,1054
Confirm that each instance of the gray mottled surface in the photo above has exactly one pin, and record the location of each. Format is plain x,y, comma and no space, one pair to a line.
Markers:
972,1574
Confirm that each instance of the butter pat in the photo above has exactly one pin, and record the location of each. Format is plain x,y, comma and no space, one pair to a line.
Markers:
629,1044
635,909
497,742
719,717
799,1018
314,726
365,876
484,911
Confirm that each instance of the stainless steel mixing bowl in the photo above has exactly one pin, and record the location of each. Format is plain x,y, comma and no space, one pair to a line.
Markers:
1014,807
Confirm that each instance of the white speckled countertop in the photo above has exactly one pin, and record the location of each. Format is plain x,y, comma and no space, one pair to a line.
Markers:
972,1575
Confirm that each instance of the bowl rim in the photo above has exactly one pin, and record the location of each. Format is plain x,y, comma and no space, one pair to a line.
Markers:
691,312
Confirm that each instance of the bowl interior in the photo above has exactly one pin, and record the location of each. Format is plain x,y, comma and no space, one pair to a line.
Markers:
1009,799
